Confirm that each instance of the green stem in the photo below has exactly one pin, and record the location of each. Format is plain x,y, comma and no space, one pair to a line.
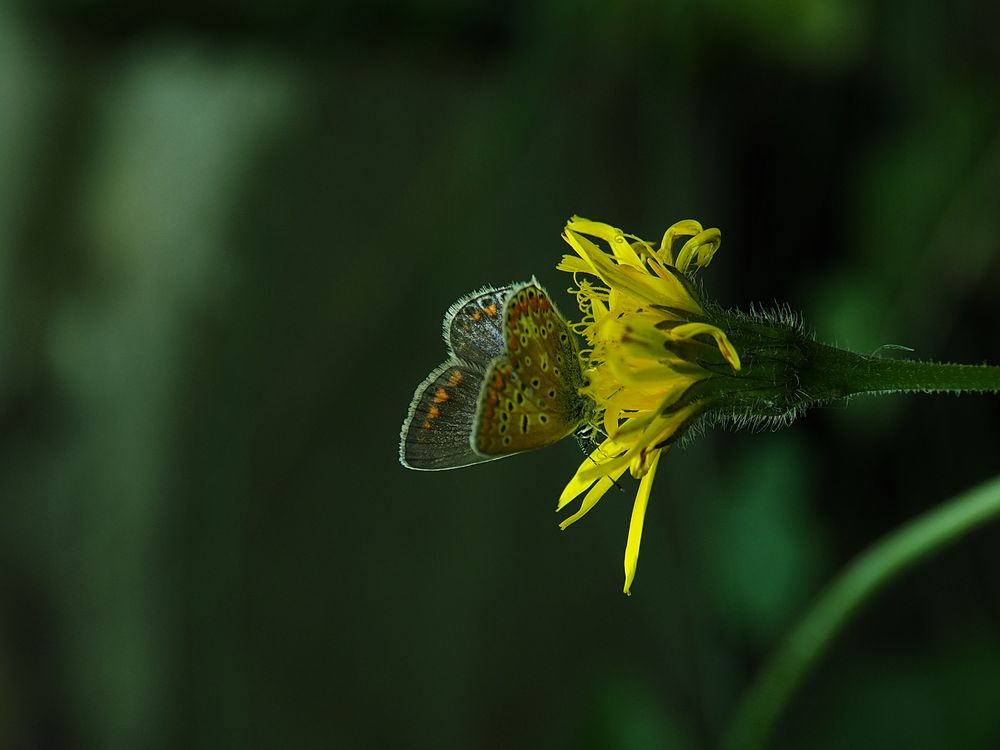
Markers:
784,372
769,695
836,373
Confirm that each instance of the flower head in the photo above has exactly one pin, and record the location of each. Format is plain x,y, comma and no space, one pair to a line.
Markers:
650,343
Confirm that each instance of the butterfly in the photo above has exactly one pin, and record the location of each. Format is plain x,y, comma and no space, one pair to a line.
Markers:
511,382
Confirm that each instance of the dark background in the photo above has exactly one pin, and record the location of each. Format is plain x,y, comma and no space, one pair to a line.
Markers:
228,233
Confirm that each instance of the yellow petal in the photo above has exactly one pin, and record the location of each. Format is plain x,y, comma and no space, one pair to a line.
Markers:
574,264
575,486
642,286
655,378
635,525
699,249
655,431
611,419
635,428
593,472
641,247
680,229
726,348
615,238
584,247
602,485
598,310
592,468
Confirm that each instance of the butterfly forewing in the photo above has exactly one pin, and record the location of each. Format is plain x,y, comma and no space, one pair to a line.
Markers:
530,395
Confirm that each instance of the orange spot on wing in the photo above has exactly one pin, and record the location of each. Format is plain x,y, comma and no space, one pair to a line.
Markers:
491,310
455,379
476,315
498,381
433,413
513,343
491,402
441,396
426,425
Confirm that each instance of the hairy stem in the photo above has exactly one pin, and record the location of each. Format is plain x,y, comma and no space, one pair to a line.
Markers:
836,373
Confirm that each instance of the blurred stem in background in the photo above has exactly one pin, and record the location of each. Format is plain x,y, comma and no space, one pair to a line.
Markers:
763,704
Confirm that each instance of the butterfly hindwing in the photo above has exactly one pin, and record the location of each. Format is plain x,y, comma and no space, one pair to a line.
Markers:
436,433
473,326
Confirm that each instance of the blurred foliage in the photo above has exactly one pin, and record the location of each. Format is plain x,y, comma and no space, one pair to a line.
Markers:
227,236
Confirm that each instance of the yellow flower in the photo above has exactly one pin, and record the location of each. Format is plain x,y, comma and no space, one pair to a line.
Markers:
650,341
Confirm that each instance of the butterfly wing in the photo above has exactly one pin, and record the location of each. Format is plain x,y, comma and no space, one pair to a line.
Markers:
473,326
530,395
437,431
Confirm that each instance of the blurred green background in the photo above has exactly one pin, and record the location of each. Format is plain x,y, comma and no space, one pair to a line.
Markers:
228,233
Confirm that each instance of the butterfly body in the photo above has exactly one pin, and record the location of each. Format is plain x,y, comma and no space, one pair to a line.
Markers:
511,382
